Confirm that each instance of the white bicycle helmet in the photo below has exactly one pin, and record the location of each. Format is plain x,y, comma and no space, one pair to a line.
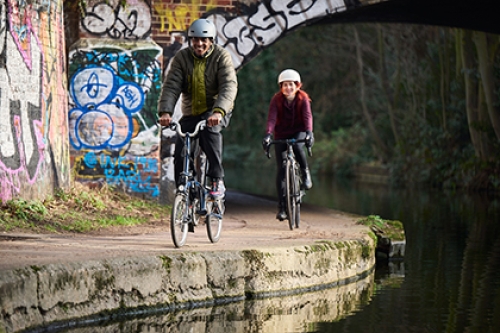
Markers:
289,75
202,28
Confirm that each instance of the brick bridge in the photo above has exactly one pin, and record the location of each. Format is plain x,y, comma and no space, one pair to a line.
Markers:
89,109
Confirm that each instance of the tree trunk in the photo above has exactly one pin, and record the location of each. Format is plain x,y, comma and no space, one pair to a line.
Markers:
444,77
381,147
478,137
486,71
390,95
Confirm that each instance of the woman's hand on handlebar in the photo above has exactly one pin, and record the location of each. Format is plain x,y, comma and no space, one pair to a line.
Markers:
165,119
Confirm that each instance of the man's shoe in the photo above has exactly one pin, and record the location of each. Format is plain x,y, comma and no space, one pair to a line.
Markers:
306,179
281,215
218,190
281,212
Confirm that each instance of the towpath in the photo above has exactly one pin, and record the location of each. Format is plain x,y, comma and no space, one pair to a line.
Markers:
249,223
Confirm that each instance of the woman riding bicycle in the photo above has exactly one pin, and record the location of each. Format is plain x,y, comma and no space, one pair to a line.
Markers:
289,117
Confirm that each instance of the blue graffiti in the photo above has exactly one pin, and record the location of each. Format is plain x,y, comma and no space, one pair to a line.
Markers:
104,106
92,87
121,170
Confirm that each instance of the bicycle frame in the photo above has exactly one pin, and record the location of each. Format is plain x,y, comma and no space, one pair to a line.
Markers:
186,211
292,181
187,181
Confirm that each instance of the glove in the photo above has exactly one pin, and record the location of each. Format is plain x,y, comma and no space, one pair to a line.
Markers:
309,139
266,142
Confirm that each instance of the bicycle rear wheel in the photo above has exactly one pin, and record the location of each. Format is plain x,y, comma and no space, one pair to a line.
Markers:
297,194
178,223
214,220
289,193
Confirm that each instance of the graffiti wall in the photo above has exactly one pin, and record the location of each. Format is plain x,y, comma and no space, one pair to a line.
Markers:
113,132
34,149
114,85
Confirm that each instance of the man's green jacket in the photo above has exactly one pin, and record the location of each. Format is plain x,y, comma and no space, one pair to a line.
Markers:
206,84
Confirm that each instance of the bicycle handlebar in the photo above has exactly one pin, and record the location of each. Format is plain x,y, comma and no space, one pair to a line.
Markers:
176,127
288,142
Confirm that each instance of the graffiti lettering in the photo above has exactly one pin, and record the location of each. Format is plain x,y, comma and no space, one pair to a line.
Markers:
178,17
245,36
133,172
110,19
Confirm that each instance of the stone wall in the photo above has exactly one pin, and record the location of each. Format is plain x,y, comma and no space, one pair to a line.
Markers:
32,296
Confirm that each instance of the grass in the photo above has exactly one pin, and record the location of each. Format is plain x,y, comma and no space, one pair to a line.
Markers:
81,210
389,228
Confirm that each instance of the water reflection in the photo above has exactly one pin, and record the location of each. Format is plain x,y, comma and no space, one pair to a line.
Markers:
297,313
452,263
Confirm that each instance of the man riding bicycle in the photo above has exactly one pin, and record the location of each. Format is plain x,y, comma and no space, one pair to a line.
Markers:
204,74
289,117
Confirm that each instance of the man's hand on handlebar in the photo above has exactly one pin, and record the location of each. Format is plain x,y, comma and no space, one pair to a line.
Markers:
165,119
214,119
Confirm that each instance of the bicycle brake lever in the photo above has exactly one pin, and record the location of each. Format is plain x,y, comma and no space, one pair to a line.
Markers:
309,151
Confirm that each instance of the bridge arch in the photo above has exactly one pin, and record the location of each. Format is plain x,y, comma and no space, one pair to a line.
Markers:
143,35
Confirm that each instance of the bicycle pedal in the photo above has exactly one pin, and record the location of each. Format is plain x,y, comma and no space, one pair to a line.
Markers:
201,212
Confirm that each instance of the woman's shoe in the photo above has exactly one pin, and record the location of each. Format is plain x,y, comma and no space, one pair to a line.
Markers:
306,179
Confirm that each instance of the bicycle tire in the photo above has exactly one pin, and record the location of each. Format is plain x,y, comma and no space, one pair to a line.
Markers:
289,193
178,226
214,221
297,215
297,194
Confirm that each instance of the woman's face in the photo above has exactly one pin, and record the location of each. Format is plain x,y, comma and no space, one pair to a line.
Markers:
289,89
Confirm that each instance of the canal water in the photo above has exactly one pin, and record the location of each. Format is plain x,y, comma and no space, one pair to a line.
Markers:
449,280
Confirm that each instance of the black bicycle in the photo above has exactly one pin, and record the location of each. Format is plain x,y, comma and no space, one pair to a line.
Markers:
292,182
192,200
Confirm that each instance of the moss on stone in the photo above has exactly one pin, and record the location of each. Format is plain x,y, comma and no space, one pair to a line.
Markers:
166,263
102,281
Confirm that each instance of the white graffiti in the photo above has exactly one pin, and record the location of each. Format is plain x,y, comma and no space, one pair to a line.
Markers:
245,36
109,18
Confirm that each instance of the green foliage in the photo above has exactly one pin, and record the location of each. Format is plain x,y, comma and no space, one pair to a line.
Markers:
256,86
24,210
415,75
341,151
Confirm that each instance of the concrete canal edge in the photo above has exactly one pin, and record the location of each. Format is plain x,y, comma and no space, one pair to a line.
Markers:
36,296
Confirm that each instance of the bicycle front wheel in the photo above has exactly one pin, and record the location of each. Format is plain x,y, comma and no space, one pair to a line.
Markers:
214,220
290,193
178,221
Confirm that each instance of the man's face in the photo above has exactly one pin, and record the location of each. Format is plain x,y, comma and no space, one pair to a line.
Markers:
201,45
